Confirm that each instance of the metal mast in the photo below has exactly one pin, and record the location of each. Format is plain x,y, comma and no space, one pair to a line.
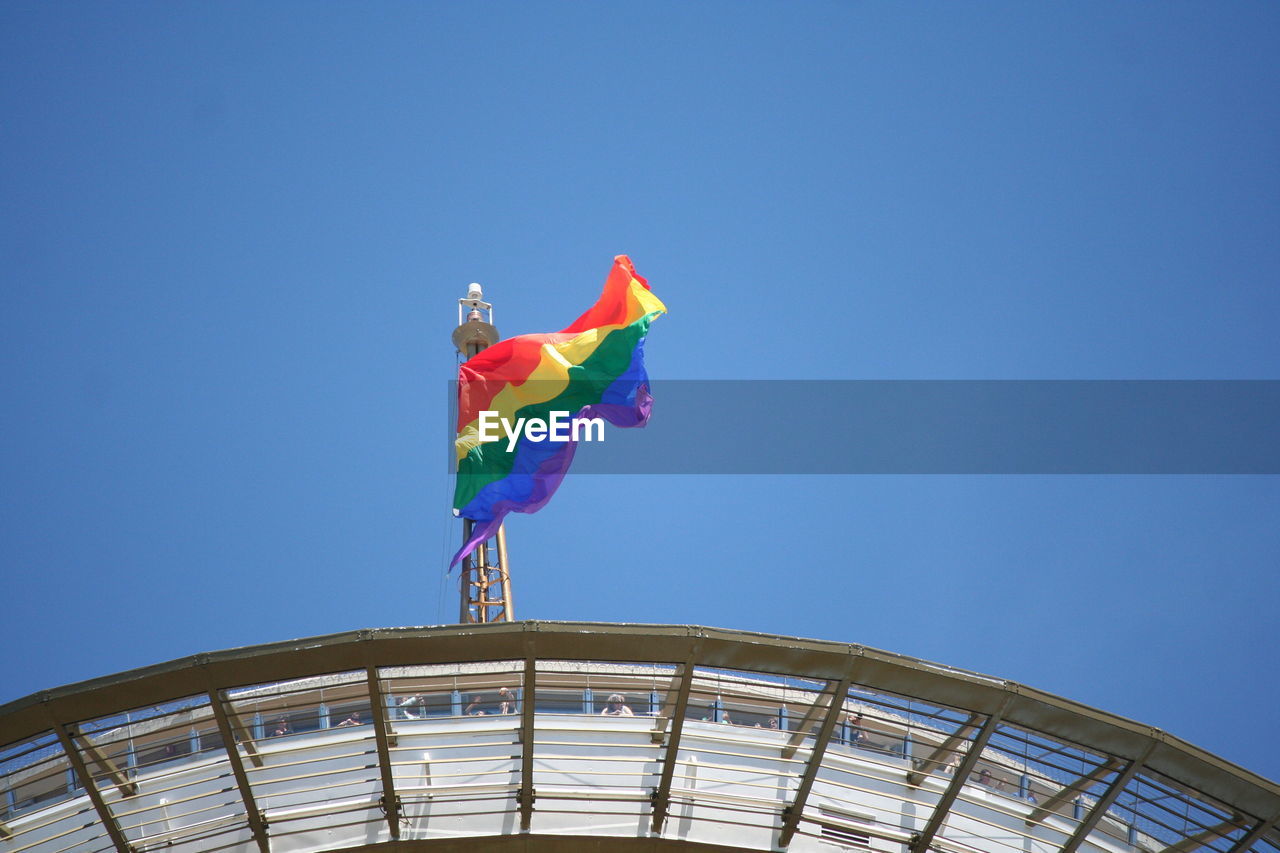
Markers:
484,570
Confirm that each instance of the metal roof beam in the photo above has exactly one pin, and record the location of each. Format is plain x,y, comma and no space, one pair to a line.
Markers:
791,814
526,795
803,728
1052,802
1251,837
1104,802
118,777
257,824
241,734
390,802
661,796
109,822
245,738
667,712
948,746
5,831
1204,836
921,842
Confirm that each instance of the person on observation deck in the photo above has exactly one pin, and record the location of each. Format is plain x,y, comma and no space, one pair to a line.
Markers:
414,707
616,706
857,736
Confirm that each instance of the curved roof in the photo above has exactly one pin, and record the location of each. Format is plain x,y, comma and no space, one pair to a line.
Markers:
953,740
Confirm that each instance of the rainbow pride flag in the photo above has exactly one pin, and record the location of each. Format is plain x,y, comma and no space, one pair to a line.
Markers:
592,369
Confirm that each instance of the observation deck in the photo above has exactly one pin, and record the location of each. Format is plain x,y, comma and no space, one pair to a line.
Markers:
511,736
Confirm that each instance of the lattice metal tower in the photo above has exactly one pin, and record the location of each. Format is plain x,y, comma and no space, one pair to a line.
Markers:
484,571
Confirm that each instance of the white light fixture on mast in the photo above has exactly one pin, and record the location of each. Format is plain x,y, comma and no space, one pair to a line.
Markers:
477,331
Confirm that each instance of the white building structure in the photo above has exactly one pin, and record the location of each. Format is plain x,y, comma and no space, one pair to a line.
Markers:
538,736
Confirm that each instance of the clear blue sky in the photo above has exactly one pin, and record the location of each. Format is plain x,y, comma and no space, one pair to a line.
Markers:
232,236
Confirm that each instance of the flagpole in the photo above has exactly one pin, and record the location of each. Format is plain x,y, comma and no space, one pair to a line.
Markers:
480,572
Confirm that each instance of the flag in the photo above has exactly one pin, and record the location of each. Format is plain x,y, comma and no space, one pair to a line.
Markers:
592,369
